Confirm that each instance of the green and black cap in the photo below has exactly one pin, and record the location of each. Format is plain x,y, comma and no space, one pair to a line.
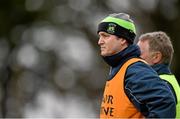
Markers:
120,25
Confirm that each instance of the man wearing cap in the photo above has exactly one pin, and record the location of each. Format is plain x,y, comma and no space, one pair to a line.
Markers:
133,89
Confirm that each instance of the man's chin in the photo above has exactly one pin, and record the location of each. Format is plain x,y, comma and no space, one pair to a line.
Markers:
104,54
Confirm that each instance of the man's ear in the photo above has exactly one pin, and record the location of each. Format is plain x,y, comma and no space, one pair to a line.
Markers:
123,41
157,57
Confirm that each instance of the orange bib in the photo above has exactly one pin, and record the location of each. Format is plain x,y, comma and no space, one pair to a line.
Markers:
115,103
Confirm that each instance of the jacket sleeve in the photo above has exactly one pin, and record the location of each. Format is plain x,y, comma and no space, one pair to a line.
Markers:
148,93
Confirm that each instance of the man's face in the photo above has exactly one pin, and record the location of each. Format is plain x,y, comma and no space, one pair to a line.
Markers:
145,52
109,44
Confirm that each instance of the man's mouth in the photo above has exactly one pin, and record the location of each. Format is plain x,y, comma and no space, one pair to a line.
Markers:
102,48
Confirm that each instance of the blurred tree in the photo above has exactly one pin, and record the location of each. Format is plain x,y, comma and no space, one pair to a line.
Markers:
49,61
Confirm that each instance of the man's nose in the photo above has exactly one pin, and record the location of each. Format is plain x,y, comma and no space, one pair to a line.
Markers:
100,41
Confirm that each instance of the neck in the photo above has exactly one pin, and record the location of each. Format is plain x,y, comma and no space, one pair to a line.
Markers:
126,53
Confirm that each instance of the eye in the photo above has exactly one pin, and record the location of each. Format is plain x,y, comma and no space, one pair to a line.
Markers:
105,35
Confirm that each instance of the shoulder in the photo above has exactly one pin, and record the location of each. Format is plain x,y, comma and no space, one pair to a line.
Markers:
140,68
139,73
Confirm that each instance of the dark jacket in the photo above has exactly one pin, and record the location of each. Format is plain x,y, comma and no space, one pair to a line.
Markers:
161,69
144,88
164,69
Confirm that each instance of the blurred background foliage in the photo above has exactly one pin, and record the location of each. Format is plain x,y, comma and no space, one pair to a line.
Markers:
49,57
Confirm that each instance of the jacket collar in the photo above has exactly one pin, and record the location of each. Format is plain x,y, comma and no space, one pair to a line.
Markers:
161,68
122,56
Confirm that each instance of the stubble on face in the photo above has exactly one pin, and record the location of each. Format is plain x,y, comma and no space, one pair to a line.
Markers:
110,47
